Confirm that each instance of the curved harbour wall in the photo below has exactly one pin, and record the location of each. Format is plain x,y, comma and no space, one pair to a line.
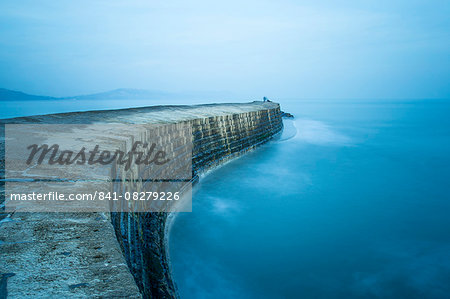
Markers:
216,139
89,256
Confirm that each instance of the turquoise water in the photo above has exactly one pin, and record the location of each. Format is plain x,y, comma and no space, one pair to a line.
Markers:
352,203
11,109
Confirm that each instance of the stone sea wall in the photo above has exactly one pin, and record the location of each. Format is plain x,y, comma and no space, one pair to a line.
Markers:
73,254
215,140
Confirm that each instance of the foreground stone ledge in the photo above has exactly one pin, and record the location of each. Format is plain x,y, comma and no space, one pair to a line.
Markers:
63,254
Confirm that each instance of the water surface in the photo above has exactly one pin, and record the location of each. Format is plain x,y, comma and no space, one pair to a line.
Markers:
11,109
355,204
351,201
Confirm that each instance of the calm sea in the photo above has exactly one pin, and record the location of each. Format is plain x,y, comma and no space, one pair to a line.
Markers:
353,201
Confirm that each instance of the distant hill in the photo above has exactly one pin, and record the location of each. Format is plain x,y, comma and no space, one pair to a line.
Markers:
123,94
11,95
116,94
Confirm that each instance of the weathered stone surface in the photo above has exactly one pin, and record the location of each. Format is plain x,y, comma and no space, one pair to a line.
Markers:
77,254
50,253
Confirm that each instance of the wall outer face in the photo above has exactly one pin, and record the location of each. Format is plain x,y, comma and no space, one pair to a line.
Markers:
216,139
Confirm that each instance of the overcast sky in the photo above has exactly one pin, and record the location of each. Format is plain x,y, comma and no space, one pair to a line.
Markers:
301,49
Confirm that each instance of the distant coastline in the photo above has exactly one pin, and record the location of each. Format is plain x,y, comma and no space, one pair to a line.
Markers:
20,104
116,94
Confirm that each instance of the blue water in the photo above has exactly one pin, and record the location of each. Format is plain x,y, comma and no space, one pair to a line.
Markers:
9,109
354,204
351,202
